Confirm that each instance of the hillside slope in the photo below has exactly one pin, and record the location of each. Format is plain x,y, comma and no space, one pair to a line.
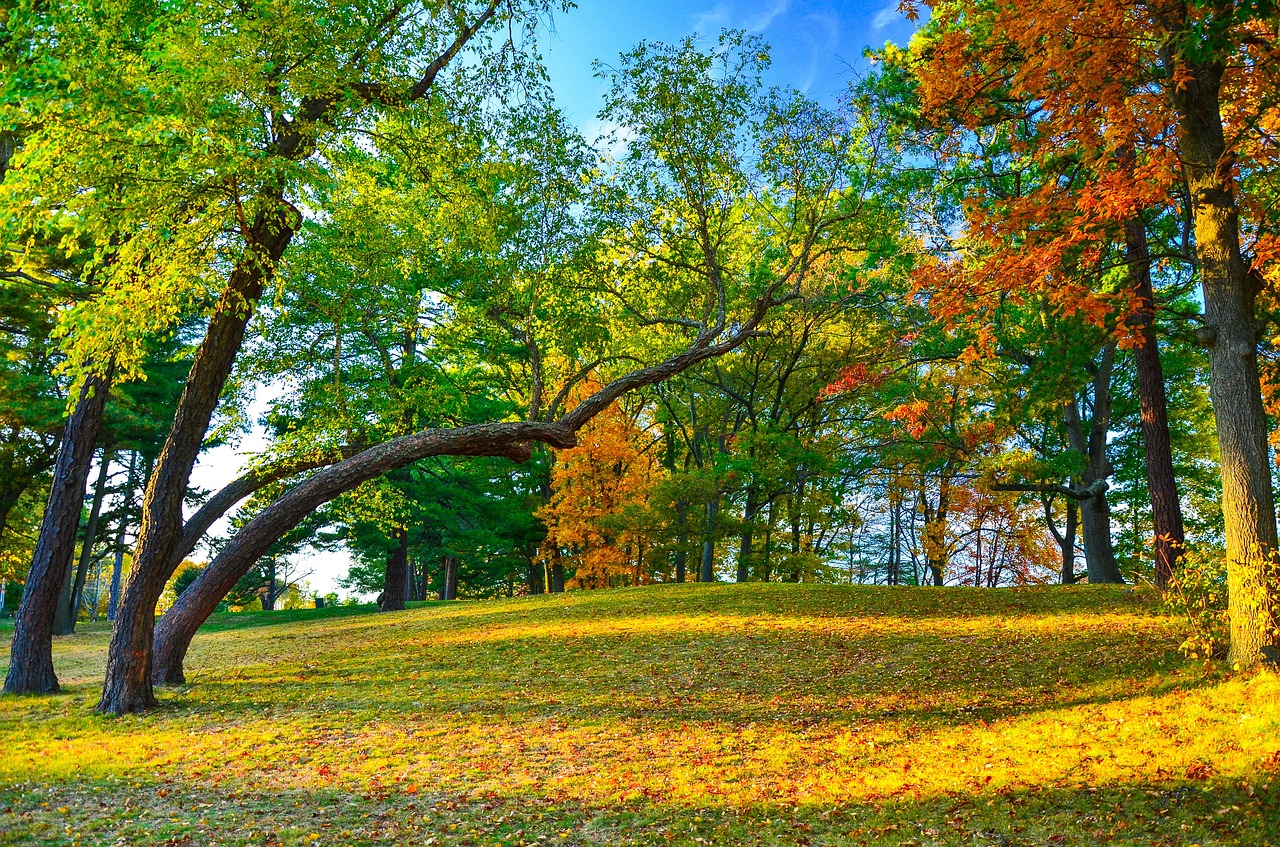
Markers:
754,714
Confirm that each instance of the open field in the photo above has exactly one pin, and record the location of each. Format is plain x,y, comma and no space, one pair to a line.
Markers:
757,714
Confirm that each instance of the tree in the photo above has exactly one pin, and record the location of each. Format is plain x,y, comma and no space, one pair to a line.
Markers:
1158,101
697,253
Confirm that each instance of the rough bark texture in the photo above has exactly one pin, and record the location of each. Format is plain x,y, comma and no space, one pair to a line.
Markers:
1166,506
396,578
31,656
128,683
1248,507
69,610
179,624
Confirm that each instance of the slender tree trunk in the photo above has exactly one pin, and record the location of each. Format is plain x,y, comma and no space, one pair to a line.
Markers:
1248,505
535,578
128,684
69,610
557,576
31,656
117,566
748,537
708,572
393,585
450,578
682,539
1166,506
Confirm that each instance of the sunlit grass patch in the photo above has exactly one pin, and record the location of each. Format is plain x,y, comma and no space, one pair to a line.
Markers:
764,714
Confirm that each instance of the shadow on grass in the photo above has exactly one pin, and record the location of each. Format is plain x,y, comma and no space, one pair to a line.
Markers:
1150,813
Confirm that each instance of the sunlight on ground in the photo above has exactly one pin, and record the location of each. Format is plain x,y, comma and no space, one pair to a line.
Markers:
760,714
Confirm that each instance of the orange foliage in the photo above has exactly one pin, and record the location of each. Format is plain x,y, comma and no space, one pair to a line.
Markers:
593,487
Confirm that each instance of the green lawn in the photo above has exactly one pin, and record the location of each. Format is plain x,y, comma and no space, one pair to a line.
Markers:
757,714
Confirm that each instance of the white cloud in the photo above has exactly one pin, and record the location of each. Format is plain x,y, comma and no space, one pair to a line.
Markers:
762,20
888,15
729,14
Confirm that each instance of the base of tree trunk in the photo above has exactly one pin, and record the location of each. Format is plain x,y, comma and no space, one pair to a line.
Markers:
31,676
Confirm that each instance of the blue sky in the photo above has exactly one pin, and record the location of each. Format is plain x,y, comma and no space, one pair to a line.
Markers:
816,44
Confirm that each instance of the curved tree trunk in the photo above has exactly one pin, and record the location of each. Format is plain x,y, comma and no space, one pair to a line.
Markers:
1166,506
128,684
31,656
179,624
510,440
1248,506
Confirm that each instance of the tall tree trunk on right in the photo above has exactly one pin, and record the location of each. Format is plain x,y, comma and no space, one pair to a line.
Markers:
1166,506
128,684
31,656
393,585
1248,507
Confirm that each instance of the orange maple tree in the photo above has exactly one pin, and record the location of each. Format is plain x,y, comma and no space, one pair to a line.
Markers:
593,488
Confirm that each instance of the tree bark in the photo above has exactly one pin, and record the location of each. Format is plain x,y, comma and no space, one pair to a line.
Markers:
31,656
1248,505
708,572
450,591
393,584
1066,539
70,610
748,537
557,576
682,539
1095,512
179,624
1166,506
128,684
510,440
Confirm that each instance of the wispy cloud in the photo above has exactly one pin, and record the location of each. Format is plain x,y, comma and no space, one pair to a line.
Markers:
888,15
761,21
748,16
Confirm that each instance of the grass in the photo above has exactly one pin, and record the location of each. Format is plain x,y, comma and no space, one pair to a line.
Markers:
681,715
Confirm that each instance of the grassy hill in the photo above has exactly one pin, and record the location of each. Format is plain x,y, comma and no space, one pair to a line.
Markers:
754,714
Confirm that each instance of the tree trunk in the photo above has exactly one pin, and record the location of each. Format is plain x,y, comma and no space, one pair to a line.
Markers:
535,579
708,572
1248,507
179,624
557,576
31,657
748,533
1095,512
1066,539
682,539
450,591
128,684
70,610
393,584
1166,506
